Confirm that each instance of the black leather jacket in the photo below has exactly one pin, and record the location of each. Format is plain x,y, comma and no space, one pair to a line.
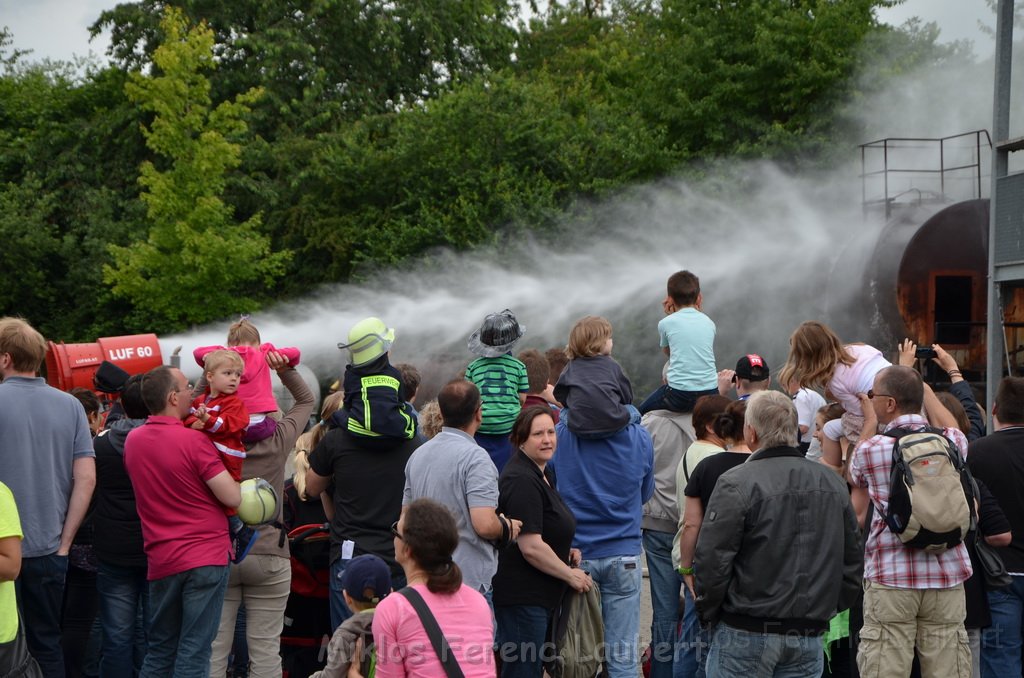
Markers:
779,550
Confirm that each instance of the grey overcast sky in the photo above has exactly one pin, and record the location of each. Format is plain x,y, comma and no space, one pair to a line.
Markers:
58,29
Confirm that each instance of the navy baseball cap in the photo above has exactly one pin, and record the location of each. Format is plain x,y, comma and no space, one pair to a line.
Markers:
366,578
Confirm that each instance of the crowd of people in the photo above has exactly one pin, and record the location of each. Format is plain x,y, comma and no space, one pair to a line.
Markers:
789,531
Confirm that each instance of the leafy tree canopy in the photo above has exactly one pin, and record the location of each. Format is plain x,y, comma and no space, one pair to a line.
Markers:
197,265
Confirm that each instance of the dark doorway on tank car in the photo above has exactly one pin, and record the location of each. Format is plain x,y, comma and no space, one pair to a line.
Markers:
952,303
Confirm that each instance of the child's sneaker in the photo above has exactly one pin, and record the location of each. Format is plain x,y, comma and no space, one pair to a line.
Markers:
242,541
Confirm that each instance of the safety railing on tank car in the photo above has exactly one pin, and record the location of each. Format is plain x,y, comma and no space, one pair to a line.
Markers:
897,153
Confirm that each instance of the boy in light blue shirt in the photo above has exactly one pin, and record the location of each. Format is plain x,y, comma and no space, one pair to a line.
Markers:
688,339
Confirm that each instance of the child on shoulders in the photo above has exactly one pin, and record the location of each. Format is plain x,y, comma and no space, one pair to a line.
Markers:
502,381
687,337
817,358
375,410
222,416
597,395
255,389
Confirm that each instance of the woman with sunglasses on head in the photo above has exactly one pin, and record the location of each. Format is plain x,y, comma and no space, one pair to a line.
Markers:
533,573
425,538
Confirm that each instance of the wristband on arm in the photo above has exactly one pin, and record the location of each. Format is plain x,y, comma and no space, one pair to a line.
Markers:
506,533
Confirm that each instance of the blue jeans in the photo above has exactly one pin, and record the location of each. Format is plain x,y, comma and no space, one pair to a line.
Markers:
339,610
668,398
620,580
735,652
186,614
81,609
664,581
123,590
1001,642
692,644
522,632
40,591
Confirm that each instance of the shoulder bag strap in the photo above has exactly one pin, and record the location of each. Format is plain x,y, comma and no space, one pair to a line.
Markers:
437,639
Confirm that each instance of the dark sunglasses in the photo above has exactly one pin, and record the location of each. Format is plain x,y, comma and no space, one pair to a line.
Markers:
873,395
394,531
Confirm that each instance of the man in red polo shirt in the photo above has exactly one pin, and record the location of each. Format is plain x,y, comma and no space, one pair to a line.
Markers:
181,487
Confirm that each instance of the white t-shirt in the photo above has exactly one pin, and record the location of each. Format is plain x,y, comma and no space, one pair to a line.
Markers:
833,430
807,403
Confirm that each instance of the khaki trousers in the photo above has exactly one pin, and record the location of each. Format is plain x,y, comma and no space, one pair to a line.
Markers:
896,621
262,582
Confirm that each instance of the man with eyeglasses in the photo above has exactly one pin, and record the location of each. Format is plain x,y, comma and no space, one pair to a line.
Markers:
912,597
181,489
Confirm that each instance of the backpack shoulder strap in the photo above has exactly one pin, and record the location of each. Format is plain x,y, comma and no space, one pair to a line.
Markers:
368,657
437,639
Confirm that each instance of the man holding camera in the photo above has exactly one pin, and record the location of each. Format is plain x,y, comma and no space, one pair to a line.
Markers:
913,598
750,376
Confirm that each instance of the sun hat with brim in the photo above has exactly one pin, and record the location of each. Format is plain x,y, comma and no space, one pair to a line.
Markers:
497,335
368,340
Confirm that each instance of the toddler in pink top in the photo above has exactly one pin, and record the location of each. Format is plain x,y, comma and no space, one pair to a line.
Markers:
255,389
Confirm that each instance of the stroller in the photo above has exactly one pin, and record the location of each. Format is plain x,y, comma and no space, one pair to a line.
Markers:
307,617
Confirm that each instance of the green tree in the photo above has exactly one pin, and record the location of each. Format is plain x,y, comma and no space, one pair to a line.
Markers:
197,264
323,60
8,57
68,170
761,77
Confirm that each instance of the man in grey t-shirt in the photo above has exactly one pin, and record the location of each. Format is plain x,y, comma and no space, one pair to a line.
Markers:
46,458
453,470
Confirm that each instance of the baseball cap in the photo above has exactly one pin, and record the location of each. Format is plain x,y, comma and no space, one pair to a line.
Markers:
752,367
366,578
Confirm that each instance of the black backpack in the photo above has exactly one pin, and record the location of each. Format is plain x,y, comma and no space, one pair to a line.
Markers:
931,496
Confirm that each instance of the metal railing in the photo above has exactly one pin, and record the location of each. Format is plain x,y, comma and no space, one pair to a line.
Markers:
904,156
